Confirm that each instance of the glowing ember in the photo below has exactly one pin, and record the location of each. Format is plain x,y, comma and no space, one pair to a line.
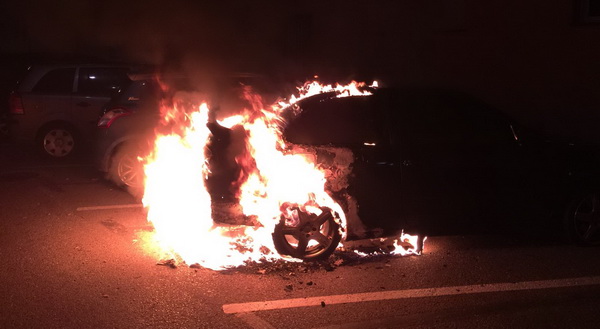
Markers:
407,244
278,190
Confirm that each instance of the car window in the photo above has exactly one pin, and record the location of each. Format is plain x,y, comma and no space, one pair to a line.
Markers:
431,120
454,124
144,95
58,81
101,81
337,121
450,119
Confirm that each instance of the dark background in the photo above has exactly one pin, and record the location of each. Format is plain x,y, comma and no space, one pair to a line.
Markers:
536,60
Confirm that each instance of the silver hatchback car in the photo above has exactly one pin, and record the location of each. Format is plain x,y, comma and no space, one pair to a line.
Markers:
56,106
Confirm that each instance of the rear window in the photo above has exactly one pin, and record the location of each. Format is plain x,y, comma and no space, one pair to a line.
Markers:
58,81
104,81
140,90
139,95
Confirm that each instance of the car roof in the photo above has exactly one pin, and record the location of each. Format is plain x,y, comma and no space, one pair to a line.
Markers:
451,96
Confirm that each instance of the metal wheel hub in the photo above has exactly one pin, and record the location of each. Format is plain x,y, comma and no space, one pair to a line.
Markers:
58,142
310,230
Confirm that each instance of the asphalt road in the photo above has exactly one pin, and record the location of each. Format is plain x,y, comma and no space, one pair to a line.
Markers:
67,262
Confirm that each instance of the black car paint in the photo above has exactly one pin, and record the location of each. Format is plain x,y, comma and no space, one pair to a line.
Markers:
439,162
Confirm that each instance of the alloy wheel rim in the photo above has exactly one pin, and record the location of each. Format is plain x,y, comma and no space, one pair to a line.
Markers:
312,236
128,170
587,219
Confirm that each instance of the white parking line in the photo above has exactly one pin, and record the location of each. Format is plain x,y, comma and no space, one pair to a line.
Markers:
410,293
116,206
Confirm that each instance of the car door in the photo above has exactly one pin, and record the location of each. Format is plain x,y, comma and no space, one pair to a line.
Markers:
95,87
49,99
355,124
460,162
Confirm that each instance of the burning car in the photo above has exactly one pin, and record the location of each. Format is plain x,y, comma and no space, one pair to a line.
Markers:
342,163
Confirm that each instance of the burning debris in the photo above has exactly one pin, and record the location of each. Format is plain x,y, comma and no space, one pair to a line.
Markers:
403,244
353,253
289,203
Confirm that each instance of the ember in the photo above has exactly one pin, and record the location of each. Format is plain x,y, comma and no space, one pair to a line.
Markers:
281,190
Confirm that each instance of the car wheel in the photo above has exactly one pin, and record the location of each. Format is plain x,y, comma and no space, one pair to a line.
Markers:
126,170
57,141
582,219
307,236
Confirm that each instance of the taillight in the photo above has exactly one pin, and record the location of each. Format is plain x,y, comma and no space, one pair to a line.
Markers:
15,103
110,116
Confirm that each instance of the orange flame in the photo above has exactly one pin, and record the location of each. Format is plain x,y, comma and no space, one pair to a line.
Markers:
280,177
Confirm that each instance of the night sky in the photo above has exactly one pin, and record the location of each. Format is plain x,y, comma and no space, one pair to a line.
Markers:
147,31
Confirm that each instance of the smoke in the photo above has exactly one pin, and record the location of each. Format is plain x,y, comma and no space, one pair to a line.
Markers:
150,31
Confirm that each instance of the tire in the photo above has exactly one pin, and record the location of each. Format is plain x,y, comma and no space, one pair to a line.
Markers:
582,219
126,171
57,141
308,237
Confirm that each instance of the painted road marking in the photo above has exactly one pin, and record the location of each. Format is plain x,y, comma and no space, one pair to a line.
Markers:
116,206
410,293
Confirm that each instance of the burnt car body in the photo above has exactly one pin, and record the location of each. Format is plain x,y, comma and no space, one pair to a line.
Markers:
427,163
423,161
442,162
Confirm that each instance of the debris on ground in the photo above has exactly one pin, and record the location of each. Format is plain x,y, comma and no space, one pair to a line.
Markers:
353,253
379,245
169,263
287,269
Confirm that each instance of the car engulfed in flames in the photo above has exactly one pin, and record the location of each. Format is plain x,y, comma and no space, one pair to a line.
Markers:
279,200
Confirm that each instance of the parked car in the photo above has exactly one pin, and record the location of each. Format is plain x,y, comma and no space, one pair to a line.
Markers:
426,161
56,106
124,131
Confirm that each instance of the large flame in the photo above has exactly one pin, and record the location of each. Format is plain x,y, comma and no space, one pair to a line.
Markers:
274,180
279,177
